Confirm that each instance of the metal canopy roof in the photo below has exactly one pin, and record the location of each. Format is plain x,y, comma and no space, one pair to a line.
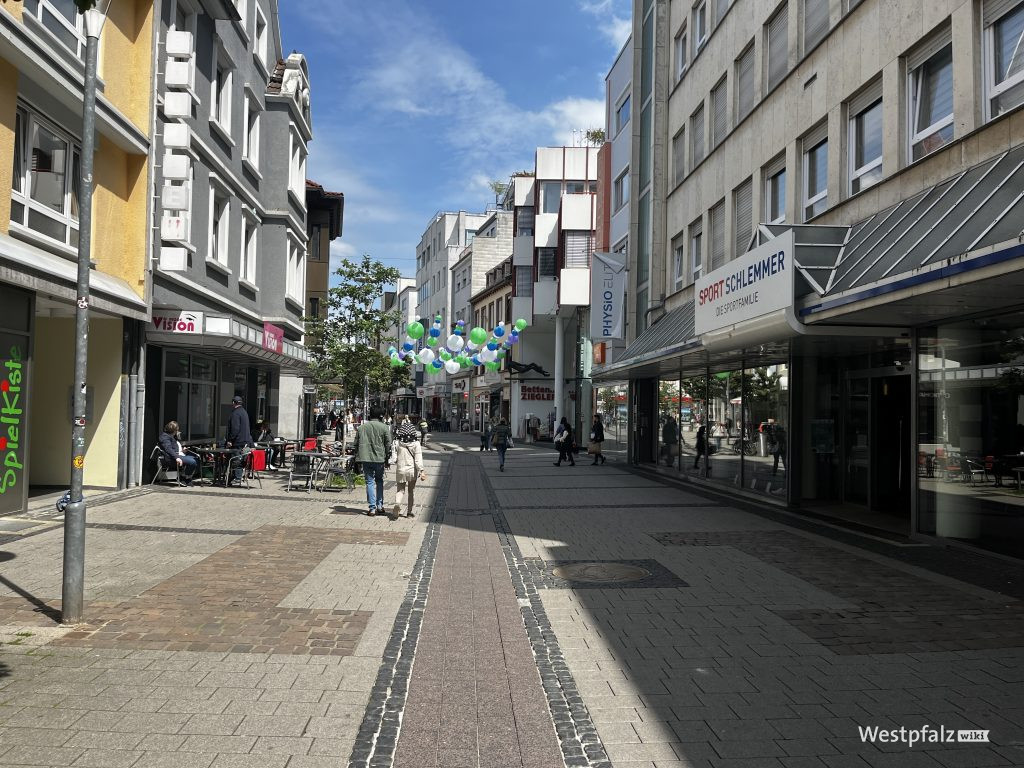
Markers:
673,328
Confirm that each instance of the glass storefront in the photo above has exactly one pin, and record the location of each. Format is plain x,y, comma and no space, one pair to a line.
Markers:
970,432
190,394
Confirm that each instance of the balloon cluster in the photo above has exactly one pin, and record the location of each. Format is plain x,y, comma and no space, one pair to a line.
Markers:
461,349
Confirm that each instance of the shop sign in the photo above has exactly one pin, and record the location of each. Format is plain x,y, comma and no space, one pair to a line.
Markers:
184,322
12,426
536,393
608,296
459,385
754,285
599,348
421,392
273,338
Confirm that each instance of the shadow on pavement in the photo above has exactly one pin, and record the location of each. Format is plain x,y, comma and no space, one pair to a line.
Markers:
40,606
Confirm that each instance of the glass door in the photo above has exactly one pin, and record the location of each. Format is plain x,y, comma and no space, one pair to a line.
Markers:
857,443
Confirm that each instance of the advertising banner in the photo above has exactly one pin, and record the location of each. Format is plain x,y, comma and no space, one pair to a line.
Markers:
176,322
608,275
273,338
13,421
756,284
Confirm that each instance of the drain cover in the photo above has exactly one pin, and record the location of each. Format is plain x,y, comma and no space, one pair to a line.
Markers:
600,573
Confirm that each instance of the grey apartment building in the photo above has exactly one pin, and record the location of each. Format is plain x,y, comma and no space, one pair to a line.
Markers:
825,254
230,238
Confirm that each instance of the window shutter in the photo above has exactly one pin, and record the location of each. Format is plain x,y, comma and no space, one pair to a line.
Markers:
993,9
745,84
867,97
578,247
922,53
778,47
743,216
718,104
697,137
718,235
679,157
815,22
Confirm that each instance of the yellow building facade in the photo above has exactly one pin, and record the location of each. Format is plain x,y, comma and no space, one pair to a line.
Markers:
42,50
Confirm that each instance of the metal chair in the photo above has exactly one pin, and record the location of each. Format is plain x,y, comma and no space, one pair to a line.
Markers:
239,461
163,467
339,466
301,468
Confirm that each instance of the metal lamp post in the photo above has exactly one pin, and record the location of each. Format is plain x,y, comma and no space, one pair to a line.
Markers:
72,588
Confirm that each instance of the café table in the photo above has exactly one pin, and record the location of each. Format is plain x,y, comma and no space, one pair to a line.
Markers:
316,460
221,457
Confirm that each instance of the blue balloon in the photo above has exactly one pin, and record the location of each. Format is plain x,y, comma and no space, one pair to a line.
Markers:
435,332
492,345
476,360
437,364
499,331
408,346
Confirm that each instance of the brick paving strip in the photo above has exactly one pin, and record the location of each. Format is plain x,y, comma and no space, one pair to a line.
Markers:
228,602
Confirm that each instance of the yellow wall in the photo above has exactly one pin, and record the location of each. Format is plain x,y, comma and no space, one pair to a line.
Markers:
119,214
13,7
127,62
8,109
49,427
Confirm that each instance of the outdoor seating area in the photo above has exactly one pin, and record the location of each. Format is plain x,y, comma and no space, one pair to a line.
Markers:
952,466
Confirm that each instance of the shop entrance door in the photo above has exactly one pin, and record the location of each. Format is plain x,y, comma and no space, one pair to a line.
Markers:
876,445
645,427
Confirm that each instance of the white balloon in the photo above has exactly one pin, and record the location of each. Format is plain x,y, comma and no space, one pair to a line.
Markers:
455,343
488,355
452,366
471,346
427,356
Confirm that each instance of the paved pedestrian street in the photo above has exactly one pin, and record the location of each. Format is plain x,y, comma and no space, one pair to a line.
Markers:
537,617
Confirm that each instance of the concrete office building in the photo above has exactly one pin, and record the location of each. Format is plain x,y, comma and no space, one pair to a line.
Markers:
555,220
42,46
230,237
833,283
438,250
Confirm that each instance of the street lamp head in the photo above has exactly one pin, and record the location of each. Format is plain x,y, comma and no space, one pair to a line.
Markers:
94,13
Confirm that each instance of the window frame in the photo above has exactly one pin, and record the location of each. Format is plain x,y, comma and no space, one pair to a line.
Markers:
809,143
739,112
681,54
915,71
994,90
261,39
219,242
625,102
701,30
249,250
297,154
695,243
858,107
251,124
772,171
719,97
221,92
696,158
680,248
620,191
679,157
545,189
295,275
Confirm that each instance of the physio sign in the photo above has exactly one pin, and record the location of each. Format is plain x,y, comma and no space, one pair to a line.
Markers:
756,284
13,435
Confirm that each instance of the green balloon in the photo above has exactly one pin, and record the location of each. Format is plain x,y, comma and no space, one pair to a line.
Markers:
478,336
521,324
415,330
445,355
501,353
431,341
395,362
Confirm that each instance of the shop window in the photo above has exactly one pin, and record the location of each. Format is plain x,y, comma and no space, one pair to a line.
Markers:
930,85
763,435
1004,43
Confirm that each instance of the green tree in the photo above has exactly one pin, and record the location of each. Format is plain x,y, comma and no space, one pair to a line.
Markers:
345,343
595,136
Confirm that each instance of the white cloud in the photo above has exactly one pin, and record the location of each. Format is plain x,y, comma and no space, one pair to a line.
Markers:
613,27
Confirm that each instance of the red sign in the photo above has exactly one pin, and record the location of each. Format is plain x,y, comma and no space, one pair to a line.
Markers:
273,338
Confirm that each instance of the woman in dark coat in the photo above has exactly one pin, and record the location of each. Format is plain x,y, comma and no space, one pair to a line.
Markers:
563,439
702,445
597,436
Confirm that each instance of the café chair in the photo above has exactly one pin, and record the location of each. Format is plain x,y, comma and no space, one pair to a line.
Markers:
164,468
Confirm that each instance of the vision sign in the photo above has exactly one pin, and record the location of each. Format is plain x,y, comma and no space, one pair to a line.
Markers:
183,322
756,284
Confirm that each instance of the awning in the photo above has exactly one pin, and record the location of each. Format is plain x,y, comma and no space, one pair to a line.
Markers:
25,265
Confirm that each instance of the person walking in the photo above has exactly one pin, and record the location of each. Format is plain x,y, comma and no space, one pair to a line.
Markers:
423,430
501,437
373,451
239,437
408,466
563,439
597,436
776,444
485,435
702,446
670,438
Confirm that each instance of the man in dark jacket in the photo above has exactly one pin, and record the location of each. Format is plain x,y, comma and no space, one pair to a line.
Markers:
239,434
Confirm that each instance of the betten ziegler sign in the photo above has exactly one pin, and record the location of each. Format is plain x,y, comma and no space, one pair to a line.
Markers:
757,283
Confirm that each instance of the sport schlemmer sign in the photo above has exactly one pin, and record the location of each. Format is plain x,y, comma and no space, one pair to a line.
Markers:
607,296
756,284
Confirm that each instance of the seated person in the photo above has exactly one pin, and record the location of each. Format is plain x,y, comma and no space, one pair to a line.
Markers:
174,454
264,436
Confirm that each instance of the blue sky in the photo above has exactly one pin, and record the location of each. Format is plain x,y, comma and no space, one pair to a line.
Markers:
418,105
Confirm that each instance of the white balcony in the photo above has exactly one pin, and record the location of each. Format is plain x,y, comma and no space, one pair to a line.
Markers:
545,297
174,229
524,187
574,287
545,230
178,74
522,251
176,167
179,45
578,211
177,104
522,307
177,136
173,259
174,198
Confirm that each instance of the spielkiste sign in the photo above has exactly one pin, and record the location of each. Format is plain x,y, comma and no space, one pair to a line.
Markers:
12,420
757,283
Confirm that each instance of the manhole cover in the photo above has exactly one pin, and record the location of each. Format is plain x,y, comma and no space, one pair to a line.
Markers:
600,573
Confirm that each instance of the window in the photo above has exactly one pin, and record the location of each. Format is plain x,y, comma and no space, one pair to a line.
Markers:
524,221
470,234
717,217
251,137
314,306
679,157
240,7
620,193
578,247
296,276
261,46
816,22
696,248
678,261
1004,39
931,99
815,173
641,310
60,17
220,223
721,8
680,53
742,216
220,90
551,196
45,179
247,264
720,113
697,137
315,240
546,267
778,47
297,167
622,115
745,84
775,192
865,140
575,187
524,281
700,26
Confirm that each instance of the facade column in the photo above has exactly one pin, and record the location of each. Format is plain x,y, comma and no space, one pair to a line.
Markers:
559,369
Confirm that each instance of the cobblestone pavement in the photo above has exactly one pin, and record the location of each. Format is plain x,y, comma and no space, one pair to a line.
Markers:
541,616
